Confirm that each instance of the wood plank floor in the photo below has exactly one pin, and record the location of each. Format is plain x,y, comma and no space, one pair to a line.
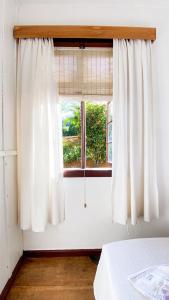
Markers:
54,278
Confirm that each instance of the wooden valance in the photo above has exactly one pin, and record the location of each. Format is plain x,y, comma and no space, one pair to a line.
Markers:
84,32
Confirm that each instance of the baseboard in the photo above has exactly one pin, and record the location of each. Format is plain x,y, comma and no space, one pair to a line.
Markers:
61,253
10,281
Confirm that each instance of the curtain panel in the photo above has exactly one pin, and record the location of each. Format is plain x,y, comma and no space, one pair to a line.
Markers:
40,155
134,173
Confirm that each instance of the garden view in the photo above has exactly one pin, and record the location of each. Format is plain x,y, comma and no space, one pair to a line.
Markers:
96,122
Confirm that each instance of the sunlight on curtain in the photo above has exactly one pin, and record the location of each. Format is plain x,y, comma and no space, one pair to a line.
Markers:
135,190
40,155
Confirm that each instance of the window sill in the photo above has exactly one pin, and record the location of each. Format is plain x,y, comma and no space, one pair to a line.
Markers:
87,172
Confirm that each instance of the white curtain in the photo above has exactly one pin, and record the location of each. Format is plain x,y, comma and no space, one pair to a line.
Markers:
134,174
40,161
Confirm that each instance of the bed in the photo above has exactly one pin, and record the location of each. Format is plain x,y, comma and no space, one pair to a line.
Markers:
120,259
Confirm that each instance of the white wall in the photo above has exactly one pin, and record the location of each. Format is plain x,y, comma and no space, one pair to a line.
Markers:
10,235
91,227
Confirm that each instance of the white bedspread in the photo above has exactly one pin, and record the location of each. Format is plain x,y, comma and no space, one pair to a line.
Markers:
121,259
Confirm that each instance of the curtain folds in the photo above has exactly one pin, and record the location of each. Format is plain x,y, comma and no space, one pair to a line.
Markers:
40,161
134,174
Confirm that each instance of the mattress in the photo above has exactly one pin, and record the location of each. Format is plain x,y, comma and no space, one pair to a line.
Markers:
120,259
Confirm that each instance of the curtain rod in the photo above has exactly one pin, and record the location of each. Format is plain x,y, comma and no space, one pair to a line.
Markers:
88,32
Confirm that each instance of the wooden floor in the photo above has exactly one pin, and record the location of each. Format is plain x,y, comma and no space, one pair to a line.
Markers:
54,278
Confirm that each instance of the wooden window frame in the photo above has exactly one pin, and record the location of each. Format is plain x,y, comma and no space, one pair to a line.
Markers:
83,171
87,173
83,135
83,43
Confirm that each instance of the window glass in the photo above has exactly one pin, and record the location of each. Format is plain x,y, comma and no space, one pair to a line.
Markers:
96,122
109,112
110,153
109,127
71,130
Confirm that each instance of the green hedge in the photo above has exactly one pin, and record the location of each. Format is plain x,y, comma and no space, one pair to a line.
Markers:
95,134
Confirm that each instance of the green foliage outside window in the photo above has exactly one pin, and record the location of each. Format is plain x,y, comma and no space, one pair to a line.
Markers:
71,125
95,134
71,152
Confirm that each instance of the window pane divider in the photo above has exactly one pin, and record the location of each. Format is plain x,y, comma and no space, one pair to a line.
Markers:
83,136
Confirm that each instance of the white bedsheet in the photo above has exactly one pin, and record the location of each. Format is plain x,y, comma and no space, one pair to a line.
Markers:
121,259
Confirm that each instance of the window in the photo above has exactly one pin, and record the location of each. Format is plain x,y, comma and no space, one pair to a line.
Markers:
85,89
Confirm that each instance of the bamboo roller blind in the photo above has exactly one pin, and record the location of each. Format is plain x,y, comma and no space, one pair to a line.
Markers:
84,71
